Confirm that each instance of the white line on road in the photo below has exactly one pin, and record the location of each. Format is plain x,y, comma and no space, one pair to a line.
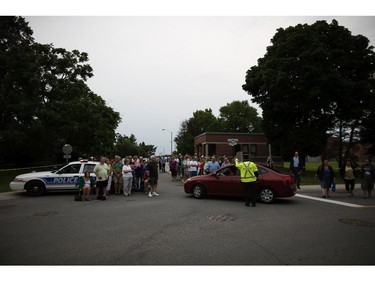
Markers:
330,201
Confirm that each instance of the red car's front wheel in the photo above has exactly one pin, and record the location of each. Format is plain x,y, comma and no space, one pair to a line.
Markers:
198,191
267,195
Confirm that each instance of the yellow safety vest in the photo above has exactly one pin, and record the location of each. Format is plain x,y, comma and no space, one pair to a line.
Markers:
247,170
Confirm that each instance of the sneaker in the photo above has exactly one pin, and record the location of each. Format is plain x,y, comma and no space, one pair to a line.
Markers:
155,194
150,194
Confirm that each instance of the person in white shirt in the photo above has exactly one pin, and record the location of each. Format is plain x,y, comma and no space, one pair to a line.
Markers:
128,178
192,165
297,167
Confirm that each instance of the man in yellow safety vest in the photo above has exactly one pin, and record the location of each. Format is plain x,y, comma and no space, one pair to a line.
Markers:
249,178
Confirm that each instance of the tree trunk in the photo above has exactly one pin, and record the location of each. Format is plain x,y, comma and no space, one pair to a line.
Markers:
350,144
340,144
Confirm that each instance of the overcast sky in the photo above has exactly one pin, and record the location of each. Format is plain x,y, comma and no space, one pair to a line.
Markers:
157,70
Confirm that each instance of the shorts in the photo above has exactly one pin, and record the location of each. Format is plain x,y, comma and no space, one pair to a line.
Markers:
118,179
153,181
102,184
192,174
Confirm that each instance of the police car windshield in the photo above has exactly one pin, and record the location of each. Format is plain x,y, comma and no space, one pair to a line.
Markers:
70,169
89,168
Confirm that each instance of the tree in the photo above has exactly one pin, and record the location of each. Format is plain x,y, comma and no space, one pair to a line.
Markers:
201,122
46,102
367,131
240,117
313,80
125,146
184,139
17,72
237,116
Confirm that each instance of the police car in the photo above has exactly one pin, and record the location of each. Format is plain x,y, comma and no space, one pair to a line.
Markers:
66,178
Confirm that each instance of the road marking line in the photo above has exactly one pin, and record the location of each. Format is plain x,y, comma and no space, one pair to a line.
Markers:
331,201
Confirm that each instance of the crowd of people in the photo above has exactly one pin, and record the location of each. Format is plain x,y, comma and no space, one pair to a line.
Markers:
122,175
133,173
327,178
350,173
188,166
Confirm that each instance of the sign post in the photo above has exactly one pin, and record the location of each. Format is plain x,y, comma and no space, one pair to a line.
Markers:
233,143
67,149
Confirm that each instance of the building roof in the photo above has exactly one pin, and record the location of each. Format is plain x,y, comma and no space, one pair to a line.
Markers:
230,133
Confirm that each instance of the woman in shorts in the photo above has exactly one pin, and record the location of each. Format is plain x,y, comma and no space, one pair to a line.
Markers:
86,183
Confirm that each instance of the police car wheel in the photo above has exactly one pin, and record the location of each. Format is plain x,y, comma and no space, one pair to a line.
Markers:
267,195
198,191
35,188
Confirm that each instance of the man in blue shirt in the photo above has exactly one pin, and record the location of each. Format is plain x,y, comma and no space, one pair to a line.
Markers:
213,165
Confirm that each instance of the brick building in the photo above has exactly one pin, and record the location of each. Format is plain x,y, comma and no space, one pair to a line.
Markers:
253,146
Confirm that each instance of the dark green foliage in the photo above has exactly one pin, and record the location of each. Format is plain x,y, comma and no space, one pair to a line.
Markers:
237,116
45,101
128,146
312,80
240,117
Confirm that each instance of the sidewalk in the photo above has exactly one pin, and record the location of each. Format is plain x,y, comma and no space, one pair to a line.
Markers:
339,187
340,196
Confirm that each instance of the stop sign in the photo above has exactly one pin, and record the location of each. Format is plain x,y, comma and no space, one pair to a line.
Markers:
67,149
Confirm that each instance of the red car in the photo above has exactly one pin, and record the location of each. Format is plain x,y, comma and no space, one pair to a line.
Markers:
227,182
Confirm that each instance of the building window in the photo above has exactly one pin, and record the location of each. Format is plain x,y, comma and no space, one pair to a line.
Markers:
245,148
211,149
237,148
253,149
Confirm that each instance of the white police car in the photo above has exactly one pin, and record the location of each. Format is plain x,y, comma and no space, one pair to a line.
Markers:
66,178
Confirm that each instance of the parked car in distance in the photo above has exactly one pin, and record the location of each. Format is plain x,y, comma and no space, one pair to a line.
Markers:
227,182
66,178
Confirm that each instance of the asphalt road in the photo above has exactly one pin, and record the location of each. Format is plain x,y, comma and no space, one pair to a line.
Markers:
177,229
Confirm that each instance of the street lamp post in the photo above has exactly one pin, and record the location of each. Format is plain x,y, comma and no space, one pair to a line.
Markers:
171,140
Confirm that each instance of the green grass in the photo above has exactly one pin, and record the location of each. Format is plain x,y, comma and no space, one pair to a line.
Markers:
308,177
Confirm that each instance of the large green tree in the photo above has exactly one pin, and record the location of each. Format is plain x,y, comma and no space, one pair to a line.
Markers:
125,146
45,101
239,117
202,121
313,80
